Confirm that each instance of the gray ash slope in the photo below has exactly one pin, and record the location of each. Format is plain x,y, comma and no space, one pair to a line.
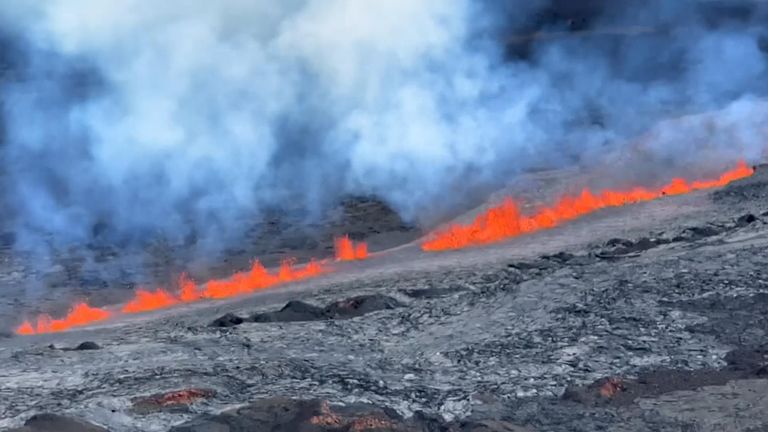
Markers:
660,307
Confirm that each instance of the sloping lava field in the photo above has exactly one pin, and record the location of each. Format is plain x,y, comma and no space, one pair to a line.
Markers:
645,317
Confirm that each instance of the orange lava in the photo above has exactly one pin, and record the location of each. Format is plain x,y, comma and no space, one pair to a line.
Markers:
188,289
505,220
498,223
348,250
81,314
145,300
258,278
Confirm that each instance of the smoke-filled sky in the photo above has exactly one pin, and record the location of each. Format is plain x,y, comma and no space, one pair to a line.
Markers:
173,116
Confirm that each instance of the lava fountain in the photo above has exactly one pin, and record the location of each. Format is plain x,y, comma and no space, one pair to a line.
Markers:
505,220
144,300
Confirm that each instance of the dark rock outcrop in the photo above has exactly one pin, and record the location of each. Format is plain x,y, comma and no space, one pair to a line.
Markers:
228,320
360,305
280,414
56,423
87,346
299,311
293,311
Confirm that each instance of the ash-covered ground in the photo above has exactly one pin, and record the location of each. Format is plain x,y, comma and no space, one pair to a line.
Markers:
646,317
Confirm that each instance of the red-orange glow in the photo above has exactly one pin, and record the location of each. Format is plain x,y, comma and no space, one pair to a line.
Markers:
361,251
347,250
498,223
505,220
259,278
144,301
188,291
81,314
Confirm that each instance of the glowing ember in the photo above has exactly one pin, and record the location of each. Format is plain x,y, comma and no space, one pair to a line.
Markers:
81,314
347,250
505,221
611,387
182,397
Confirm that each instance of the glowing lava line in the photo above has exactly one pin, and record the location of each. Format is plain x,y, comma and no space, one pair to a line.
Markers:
496,224
144,300
505,220
79,315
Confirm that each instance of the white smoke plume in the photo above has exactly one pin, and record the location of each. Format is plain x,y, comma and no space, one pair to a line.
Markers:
173,116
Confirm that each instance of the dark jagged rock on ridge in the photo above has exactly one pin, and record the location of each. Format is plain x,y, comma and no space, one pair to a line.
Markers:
87,346
56,423
227,320
746,220
299,311
430,293
360,305
281,414
294,310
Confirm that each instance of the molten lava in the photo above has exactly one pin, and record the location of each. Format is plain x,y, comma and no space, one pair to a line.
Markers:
258,278
348,250
80,315
505,220
145,300
498,223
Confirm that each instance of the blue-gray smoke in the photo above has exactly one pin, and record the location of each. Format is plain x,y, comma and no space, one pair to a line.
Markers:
177,116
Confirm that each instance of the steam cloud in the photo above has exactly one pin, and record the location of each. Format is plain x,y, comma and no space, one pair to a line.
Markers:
171,116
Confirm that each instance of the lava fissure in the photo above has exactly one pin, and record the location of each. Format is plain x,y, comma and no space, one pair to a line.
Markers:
505,221
144,300
498,223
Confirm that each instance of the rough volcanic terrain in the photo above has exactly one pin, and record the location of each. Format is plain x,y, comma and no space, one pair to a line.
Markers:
645,317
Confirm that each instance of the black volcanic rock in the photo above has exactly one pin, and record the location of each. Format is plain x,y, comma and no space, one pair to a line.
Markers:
298,311
84,346
280,414
745,220
56,423
361,305
228,320
697,233
560,257
621,248
430,293
750,360
314,415
293,311
87,346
